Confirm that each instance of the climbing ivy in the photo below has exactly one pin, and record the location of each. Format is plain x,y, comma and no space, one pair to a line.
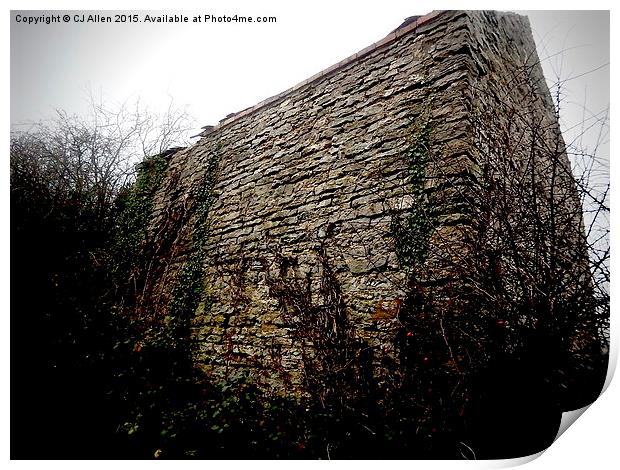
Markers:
160,381
188,289
134,208
412,231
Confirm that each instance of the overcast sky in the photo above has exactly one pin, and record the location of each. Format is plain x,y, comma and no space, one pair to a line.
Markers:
216,69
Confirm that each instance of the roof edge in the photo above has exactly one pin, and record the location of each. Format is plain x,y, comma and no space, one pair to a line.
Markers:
390,38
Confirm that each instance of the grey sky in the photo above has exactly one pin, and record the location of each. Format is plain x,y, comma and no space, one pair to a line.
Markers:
216,69
574,48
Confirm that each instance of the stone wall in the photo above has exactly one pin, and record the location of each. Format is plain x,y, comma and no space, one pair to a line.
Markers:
309,185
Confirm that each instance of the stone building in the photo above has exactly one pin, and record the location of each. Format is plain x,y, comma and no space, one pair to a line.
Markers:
320,216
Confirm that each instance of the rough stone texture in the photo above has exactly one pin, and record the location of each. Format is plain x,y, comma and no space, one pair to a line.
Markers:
323,165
